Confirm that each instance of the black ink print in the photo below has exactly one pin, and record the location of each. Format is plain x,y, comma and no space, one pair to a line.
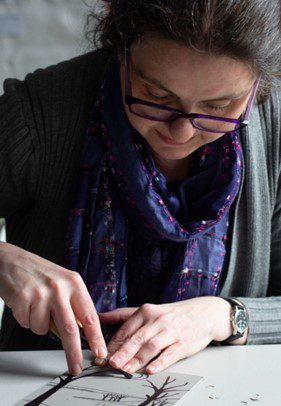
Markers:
162,394
113,397
93,371
142,390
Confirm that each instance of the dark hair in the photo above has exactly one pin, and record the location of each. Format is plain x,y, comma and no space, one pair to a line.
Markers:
247,30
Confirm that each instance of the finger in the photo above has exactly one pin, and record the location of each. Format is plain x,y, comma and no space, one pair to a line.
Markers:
21,312
118,315
40,317
168,357
149,350
127,329
67,326
85,312
175,352
133,345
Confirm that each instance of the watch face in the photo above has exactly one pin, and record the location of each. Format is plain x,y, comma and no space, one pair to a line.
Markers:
241,321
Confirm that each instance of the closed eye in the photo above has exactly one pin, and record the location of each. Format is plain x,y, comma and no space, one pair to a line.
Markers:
155,97
166,97
218,108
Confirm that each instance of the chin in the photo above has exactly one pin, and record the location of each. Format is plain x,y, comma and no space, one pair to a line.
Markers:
171,153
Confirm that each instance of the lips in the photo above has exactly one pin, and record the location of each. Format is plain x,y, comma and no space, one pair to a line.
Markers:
168,140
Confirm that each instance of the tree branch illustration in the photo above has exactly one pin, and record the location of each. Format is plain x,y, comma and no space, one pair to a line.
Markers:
93,371
163,393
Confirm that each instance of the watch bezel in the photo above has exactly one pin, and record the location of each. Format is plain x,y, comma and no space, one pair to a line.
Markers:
237,313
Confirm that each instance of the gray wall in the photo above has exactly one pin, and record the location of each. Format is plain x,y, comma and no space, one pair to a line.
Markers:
38,33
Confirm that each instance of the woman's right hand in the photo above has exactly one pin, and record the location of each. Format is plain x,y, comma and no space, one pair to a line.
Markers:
36,289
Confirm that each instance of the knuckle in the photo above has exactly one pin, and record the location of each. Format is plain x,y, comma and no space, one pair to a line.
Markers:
55,286
154,345
40,330
89,319
125,351
24,324
74,277
44,330
23,320
170,331
120,336
147,309
138,361
69,328
137,339
39,294
24,295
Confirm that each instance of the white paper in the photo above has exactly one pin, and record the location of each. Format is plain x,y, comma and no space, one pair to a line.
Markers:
102,386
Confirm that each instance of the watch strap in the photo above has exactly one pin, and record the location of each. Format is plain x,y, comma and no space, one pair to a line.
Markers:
233,302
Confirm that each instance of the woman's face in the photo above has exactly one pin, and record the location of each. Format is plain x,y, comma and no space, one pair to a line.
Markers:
168,73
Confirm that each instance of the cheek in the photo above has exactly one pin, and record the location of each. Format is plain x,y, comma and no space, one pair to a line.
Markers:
144,127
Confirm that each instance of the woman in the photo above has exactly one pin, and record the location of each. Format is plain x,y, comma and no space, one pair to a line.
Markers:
171,175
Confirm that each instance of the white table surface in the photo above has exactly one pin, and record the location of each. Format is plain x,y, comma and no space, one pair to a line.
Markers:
237,373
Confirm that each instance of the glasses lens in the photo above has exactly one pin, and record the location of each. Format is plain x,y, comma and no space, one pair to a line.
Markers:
152,113
214,125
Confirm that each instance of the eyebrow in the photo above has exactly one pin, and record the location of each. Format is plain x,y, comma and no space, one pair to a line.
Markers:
156,82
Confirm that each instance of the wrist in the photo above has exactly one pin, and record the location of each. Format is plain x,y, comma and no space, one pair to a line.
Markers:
242,340
239,322
222,326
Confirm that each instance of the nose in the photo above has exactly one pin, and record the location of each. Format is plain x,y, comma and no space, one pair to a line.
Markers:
181,130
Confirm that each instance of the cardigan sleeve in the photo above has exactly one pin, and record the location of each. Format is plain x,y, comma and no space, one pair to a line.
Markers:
16,151
265,313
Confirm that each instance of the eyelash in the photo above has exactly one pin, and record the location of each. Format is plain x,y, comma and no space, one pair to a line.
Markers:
156,97
218,108
214,108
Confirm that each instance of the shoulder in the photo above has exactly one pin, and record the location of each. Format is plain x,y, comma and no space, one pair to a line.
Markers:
89,66
49,99
46,114
85,71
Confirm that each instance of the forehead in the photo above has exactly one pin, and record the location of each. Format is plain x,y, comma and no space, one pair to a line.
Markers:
188,72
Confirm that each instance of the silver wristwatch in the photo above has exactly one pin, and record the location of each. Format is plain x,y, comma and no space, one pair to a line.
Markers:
239,319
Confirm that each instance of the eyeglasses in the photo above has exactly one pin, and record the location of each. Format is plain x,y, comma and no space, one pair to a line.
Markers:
158,112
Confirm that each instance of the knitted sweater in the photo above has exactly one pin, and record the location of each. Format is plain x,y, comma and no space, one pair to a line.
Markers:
43,120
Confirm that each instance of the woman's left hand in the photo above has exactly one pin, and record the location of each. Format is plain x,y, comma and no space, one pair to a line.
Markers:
170,331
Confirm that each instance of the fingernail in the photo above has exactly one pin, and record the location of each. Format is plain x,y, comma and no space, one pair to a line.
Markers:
76,369
101,352
151,369
100,361
126,368
116,360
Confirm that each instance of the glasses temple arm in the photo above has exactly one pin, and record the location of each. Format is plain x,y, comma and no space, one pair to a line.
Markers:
251,100
128,85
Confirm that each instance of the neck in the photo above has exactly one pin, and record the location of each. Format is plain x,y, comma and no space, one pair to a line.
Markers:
173,169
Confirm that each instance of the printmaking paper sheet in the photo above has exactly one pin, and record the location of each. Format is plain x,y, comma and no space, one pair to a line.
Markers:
102,386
